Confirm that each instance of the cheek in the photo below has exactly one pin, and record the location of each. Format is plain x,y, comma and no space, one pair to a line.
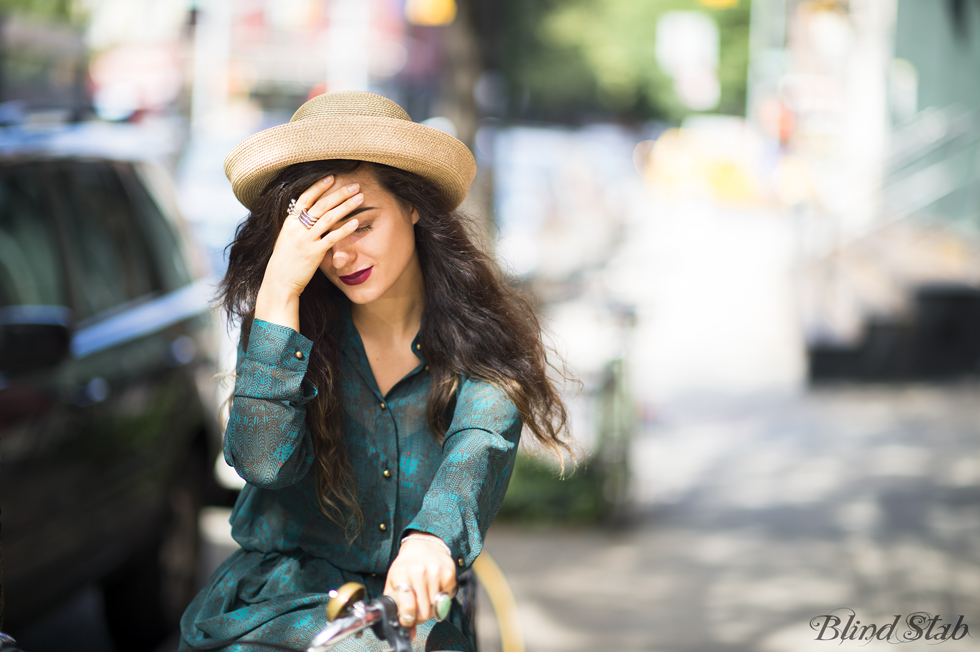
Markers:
383,247
405,241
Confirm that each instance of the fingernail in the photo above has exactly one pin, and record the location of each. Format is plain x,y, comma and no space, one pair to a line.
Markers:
359,197
329,177
352,187
352,224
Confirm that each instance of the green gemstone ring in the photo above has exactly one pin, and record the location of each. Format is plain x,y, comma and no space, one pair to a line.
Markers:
443,605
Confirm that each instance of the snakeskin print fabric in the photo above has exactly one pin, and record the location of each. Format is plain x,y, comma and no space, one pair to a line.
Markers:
274,589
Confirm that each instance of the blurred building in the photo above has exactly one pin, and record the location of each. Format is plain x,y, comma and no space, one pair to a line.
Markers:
43,66
271,55
871,110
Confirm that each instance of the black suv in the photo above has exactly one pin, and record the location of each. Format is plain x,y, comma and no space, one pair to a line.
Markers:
107,415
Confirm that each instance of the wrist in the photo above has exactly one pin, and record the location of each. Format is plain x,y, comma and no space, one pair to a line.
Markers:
277,306
427,538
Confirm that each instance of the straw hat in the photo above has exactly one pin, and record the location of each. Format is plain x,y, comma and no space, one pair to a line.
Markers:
353,125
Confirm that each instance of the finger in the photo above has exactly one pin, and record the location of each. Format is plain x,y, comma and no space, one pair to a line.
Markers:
449,581
332,198
310,195
422,583
434,572
331,217
404,596
331,238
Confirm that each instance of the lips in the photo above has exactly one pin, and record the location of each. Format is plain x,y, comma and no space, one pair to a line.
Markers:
357,277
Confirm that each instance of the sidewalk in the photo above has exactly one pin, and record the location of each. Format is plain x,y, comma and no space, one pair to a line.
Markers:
757,517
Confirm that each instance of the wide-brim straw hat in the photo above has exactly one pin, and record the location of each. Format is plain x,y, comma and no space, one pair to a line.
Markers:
354,125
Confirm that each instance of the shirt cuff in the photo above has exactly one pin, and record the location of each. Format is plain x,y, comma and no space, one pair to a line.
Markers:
463,550
278,346
275,364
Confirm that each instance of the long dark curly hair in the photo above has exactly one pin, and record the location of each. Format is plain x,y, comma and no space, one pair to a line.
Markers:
473,324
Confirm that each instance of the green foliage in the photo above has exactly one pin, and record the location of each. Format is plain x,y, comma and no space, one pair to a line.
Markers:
600,55
545,79
56,11
537,494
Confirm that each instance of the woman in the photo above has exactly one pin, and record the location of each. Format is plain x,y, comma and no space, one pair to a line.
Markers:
384,376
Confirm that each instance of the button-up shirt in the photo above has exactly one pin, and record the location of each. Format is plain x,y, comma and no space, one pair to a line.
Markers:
404,478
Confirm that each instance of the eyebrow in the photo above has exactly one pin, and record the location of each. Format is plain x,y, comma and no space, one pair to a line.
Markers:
357,212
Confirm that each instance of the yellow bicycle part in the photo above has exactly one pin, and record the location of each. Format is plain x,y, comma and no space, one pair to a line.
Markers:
492,579
343,599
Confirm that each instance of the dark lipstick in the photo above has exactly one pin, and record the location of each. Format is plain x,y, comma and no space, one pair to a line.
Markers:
357,277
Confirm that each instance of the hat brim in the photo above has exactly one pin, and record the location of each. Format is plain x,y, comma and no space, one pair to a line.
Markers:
403,144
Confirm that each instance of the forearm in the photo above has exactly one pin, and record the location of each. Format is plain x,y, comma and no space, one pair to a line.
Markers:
267,444
277,304
478,459
266,439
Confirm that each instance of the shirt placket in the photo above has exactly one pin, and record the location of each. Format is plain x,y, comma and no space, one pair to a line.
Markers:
387,431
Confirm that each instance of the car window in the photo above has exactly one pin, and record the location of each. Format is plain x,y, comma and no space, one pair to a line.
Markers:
111,262
31,270
166,250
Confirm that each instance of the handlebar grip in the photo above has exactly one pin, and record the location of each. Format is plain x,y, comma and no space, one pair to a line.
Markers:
388,628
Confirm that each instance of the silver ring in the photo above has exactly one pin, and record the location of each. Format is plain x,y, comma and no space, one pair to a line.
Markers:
405,588
304,218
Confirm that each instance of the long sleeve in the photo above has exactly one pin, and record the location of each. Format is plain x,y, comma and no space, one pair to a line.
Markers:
267,441
478,455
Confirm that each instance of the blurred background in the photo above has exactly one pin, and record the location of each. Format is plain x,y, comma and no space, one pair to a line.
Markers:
752,230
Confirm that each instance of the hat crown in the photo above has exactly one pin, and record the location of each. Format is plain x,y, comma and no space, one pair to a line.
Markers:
351,125
349,103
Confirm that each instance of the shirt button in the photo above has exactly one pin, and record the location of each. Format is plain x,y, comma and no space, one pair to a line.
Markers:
461,562
418,347
383,406
299,355
425,368
386,473
383,527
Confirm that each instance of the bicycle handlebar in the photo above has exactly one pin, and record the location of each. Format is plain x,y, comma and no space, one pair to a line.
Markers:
349,614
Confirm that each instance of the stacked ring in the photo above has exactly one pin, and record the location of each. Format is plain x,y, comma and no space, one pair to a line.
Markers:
304,218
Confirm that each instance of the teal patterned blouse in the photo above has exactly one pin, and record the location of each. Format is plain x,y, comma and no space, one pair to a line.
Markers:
274,589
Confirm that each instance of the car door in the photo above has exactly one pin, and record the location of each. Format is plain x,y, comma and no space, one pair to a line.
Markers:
34,402
96,486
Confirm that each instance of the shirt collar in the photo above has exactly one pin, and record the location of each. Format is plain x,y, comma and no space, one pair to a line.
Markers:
353,347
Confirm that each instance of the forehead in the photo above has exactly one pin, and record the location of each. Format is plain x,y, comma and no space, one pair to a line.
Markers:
375,195
363,175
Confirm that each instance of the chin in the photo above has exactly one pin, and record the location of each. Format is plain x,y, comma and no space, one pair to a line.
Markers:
359,294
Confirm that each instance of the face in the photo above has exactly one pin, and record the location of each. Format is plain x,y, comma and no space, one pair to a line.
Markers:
377,260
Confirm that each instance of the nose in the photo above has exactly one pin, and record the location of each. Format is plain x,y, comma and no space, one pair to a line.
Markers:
342,257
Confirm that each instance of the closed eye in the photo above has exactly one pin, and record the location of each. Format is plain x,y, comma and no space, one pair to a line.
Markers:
362,229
